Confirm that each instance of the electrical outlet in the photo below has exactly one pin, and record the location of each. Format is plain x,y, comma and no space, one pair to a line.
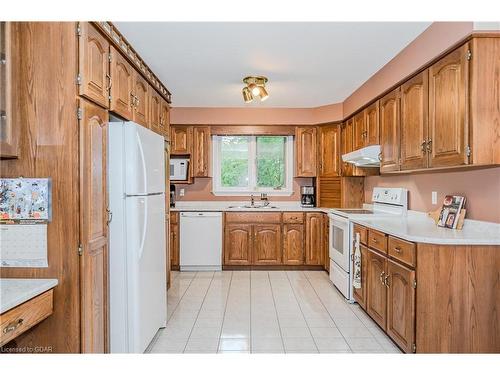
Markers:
434,197
181,192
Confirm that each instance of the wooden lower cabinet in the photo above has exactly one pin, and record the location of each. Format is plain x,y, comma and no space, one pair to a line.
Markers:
400,305
360,294
238,244
376,297
314,235
174,246
267,244
326,242
293,244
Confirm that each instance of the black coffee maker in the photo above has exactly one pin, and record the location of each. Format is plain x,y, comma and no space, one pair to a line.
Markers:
172,195
307,198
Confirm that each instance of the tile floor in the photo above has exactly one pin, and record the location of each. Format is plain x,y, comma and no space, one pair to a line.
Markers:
264,312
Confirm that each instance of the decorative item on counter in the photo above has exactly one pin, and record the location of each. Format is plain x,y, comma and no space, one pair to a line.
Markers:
452,214
25,199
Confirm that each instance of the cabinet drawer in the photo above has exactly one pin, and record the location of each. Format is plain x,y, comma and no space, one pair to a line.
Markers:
363,233
402,250
293,217
377,240
23,317
253,217
174,217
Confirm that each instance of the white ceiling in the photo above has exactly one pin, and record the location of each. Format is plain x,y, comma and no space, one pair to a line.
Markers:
308,64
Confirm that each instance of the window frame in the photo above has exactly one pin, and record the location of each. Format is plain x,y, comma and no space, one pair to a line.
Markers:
219,190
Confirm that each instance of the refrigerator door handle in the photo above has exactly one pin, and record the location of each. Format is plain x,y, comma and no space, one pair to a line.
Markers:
144,228
143,161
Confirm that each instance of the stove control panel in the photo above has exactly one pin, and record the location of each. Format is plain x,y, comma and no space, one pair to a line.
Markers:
393,196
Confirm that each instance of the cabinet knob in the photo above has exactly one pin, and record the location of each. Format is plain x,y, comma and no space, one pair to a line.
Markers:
13,326
397,249
382,277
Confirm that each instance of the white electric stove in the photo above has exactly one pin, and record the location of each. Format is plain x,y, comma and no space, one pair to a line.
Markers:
386,202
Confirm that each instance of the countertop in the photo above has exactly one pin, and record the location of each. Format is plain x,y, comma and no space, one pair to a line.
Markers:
14,292
415,227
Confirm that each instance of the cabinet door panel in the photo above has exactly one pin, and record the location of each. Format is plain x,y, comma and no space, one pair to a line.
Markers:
122,75
201,151
414,122
165,119
174,246
141,108
376,297
401,305
346,147
267,244
238,244
360,294
293,244
181,138
329,151
93,228
359,131
389,131
371,124
154,110
305,144
94,65
314,238
448,98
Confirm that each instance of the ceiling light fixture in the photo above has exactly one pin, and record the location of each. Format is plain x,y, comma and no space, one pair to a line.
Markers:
255,87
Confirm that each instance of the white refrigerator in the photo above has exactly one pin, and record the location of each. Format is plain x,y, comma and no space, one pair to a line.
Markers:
137,243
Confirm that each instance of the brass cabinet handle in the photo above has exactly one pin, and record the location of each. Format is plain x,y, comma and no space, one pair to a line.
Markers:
429,145
423,146
110,82
397,249
386,281
110,215
132,99
374,240
382,277
13,326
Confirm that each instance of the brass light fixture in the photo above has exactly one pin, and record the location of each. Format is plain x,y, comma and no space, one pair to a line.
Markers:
255,87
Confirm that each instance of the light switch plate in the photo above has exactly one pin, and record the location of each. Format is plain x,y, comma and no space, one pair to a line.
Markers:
181,192
434,197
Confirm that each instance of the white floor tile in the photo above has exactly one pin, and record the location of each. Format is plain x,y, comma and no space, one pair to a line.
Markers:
295,332
364,345
325,332
332,345
299,344
205,332
202,345
234,344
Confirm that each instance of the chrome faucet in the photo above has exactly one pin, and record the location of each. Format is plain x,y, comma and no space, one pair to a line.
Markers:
265,199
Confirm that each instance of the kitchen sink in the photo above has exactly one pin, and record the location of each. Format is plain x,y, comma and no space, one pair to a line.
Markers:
255,206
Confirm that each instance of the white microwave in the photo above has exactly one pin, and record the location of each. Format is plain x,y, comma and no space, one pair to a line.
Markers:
179,169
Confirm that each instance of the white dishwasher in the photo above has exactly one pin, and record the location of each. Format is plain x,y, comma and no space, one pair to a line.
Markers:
200,241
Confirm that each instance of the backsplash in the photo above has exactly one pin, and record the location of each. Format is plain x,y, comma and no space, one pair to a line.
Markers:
481,187
201,190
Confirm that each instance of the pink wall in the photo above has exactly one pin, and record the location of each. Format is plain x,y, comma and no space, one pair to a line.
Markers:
201,190
481,187
438,37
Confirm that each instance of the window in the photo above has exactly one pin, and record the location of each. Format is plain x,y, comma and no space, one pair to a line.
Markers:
252,164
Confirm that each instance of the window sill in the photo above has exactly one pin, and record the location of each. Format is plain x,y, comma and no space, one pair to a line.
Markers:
271,193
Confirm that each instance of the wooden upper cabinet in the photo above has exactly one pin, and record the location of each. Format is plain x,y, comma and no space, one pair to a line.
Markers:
376,297
293,244
201,151
305,145
266,244
371,125
329,151
346,146
414,122
94,227
141,100
238,244
359,131
165,119
155,102
448,109
389,131
94,79
181,139
9,133
314,238
122,79
360,293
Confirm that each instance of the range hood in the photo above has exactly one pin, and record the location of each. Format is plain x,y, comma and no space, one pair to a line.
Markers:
364,157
